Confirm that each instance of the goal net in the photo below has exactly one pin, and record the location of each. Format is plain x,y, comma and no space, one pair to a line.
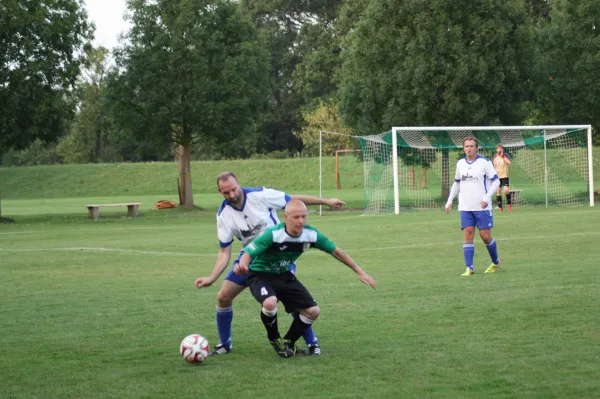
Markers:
413,167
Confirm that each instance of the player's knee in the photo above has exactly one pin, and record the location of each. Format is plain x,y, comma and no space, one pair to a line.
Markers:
225,297
312,313
486,235
270,303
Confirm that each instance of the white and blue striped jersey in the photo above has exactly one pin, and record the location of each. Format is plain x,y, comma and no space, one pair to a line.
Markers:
474,179
258,213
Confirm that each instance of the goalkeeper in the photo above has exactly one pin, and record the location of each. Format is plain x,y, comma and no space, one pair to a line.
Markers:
475,182
501,162
268,259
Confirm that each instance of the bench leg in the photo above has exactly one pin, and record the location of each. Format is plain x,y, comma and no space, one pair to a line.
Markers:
132,210
94,212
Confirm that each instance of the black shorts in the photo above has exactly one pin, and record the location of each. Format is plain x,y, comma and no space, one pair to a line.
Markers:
285,287
504,182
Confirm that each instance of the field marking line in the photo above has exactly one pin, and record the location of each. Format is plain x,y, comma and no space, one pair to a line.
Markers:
102,249
212,226
406,246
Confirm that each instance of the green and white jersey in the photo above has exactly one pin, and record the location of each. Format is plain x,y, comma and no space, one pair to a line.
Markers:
275,251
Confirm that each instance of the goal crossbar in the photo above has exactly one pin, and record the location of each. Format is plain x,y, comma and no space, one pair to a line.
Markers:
425,139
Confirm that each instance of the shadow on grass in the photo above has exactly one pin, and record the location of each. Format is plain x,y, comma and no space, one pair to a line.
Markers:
6,220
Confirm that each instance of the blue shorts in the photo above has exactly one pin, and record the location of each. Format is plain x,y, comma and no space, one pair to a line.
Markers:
481,219
243,279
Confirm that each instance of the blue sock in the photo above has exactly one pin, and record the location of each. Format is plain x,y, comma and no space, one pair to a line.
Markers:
469,254
493,250
224,319
309,335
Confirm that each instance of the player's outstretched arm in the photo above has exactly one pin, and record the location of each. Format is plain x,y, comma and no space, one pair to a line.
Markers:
220,265
348,261
243,265
331,202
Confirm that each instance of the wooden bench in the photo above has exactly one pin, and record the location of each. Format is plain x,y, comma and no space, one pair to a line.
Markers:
132,209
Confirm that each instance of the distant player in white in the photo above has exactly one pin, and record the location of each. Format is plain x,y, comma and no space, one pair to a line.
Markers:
245,214
475,182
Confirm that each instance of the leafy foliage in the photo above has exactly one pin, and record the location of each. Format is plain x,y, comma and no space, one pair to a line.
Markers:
568,65
434,63
191,69
42,46
90,133
325,117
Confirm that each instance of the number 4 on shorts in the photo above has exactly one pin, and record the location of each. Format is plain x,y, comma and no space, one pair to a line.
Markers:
263,291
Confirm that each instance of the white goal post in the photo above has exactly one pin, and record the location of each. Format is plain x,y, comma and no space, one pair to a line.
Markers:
552,164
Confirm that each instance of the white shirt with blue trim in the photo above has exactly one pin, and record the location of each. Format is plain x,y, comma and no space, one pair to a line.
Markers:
474,178
258,213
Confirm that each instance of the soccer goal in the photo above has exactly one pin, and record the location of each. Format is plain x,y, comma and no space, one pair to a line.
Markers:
413,167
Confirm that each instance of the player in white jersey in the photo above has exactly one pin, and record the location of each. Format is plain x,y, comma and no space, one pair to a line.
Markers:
475,182
245,214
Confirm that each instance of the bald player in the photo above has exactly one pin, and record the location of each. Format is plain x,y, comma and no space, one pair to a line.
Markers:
268,260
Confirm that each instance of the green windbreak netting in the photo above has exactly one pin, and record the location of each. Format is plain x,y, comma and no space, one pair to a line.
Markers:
453,138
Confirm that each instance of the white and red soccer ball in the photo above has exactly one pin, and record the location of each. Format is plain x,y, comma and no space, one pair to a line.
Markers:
194,348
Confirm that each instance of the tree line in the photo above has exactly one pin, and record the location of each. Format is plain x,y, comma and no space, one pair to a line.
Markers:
218,79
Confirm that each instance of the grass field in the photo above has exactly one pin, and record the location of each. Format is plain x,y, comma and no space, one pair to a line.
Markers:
97,309
149,182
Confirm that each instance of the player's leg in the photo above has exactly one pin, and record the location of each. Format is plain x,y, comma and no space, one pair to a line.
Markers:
485,223
467,224
508,195
262,290
296,297
306,318
312,342
499,198
229,290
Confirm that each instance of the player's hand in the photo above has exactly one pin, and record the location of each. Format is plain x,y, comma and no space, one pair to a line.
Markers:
335,203
240,269
368,280
484,204
448,207
202,282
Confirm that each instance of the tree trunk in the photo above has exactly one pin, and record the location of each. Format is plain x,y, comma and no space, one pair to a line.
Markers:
97,143
445,173
423,177
412,177
185,176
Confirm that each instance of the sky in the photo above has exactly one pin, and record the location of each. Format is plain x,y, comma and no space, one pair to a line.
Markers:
108,17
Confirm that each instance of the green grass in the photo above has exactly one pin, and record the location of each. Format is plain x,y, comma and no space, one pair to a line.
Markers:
97,309
124,179
140,181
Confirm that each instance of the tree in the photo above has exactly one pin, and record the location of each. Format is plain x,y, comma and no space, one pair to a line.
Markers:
443,63
191,70
304,55
42,46
90,130
325,117
318,50
568,67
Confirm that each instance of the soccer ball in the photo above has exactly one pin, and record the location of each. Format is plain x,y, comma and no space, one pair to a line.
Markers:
194,348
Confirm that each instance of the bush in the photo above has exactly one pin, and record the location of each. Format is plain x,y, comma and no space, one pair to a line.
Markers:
283,154
38,153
